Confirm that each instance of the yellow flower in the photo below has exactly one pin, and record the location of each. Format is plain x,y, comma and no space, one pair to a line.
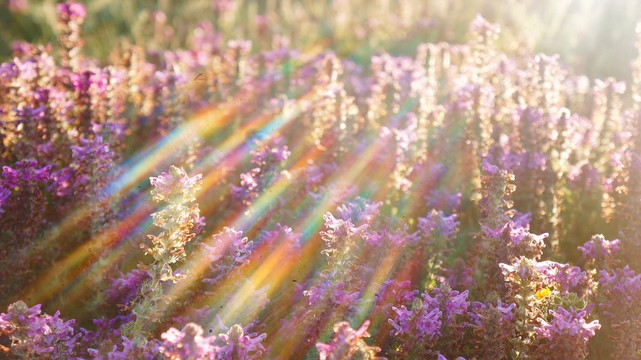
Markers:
543,293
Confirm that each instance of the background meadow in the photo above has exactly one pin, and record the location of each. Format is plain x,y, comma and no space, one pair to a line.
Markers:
320,179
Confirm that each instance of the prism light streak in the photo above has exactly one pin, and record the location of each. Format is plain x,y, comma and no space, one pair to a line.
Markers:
132,174
311,225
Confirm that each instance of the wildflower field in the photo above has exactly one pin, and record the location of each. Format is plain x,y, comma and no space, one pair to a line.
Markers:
332,179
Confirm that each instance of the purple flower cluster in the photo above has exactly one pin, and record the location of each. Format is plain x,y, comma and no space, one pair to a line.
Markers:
347,343
190,344
225,251
443,315
600,251
23,209
266,159
620,288
35,335
566,334
187,343
125,287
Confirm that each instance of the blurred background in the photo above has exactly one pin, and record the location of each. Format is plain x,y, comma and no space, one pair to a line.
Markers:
594,37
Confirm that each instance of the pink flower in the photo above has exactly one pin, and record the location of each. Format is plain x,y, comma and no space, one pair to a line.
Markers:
71,10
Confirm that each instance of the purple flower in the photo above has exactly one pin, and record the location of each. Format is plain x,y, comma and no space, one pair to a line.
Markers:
567,277
27,69
347,343
188,344
359,211
489,168
423,321
278,235
81,81
225,251
584,178
71,10
436,223
94,152
478,309
62,182
175,183
124,289
386,238
506,310
523,268
516,235
599,249
394,293
334,294
25,205
35,335
240,345
621,290
228,238
451,302
268,157
567,326
25,171
429,323
26,113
